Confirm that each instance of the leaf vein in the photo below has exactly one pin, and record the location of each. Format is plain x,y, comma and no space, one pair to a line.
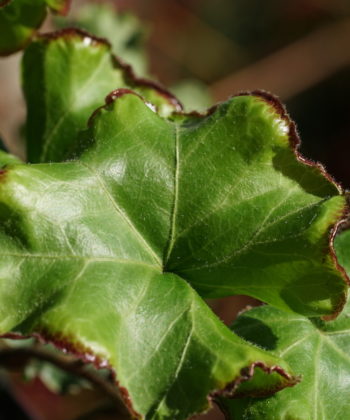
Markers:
124,216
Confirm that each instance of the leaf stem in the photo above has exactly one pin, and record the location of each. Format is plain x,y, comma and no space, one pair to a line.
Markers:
171,240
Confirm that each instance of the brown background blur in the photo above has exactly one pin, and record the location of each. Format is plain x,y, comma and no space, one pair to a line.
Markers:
297,49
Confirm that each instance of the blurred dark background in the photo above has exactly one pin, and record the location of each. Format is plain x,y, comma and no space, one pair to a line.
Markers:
206,51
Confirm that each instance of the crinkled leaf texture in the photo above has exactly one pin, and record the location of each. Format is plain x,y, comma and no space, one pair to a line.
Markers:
84,248
20,19
66,76
233,209
259,222
102,254
318,351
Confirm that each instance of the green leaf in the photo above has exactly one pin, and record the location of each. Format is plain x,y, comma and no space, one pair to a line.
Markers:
66,77
317,350
342,243
250,218
20,19
83,267
287,208
99,253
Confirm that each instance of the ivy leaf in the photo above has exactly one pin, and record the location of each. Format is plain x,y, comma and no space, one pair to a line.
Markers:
66,77
258,223
318,351
288,208
20,19
99,253
83,267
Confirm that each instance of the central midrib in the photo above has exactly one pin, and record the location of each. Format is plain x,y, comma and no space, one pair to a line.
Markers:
171,240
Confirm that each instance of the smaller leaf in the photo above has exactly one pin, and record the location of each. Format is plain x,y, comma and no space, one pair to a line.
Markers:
66,76
20,19
316,350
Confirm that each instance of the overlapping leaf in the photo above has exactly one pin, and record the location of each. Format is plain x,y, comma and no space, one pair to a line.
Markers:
318,351
19,20
66,77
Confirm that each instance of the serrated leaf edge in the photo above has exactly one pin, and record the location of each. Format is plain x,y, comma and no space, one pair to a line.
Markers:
230,391
294,142
87,356
128,72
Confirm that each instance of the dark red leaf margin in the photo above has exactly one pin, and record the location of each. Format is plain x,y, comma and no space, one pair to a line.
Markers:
131,79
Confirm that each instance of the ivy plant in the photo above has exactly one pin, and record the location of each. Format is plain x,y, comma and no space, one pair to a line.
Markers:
130,213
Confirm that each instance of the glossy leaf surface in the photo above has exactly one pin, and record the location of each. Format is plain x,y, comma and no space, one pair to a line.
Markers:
20,19
234,211
99,253
66,77
318,351
83,245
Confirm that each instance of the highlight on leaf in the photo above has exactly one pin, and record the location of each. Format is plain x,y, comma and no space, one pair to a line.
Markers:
76,233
